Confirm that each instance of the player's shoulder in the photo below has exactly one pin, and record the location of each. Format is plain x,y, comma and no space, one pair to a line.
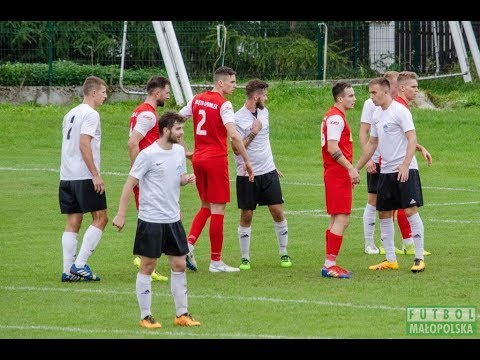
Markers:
263,111
400,108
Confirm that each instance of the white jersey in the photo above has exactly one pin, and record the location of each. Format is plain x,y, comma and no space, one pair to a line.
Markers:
82,119
367,112
159,173
259,150
390,126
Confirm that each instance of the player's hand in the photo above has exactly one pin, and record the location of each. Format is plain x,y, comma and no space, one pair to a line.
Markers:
247,167
427,156
190,178
119,222
98,184
354,176
279,173
256,126
371,167
402,173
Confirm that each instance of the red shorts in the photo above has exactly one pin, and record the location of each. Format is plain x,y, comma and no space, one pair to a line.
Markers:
338,194
213,182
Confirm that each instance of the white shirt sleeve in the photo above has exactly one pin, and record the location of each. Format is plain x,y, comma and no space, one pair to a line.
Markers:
226,112
186,111
335,125
146,120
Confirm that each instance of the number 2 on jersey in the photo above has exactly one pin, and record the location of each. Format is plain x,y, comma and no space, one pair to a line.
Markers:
199,130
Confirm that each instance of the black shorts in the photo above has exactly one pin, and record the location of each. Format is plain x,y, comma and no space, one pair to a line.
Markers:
79,196
372,180
264,190
393,194
154,239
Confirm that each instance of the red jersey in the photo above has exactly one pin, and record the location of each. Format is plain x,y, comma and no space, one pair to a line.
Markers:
345,142
402,101
210,133
154,133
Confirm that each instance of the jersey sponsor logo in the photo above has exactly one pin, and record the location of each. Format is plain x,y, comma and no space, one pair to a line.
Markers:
206,103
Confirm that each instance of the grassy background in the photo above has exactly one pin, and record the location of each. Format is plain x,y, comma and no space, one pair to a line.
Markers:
267,302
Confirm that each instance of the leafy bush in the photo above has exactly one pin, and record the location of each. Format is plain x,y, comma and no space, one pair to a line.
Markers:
67,73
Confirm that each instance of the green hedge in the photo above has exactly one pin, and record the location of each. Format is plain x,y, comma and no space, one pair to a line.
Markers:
67,73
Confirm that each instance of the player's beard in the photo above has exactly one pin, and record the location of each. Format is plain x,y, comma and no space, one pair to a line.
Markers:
259,104
160,103
173,139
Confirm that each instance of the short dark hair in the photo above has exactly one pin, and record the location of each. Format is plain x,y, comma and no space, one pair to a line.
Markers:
156,82
168,120
254,86
223,72
339,88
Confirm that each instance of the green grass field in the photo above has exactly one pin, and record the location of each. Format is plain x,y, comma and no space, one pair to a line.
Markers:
268,302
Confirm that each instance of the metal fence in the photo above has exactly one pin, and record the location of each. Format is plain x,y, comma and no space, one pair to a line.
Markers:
272,50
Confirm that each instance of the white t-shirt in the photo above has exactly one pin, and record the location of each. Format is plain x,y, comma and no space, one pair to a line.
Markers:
367,112
82,119
259,149
159,173
390,126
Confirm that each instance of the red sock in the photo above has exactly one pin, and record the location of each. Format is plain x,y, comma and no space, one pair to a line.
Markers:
403,224
334,242
216,236
198,224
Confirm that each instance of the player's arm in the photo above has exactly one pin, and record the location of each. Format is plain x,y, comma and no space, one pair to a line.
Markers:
247,140
403,168
338,156
188,153
134,145
367,152
237,144
186,112
187,179
119,219
363,136
87,156
426,155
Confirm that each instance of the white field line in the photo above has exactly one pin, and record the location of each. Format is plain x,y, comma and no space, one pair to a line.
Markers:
231,180
323,213
314,212
142,332
235,299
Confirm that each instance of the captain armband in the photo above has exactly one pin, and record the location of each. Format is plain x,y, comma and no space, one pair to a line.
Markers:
337,155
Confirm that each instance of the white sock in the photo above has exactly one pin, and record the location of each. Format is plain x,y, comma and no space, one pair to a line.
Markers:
244,236
407,242
69,246
281,229
144,294
416,224
178,286
329,263
89,243
387,232
369,218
